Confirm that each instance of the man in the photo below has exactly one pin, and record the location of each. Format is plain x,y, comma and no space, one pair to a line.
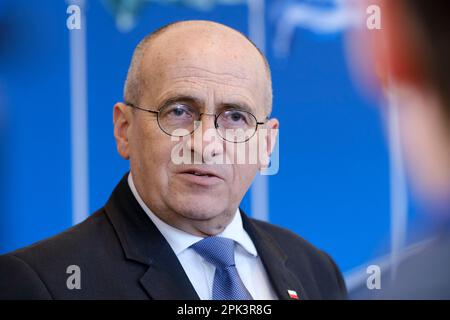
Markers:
174,230
410,56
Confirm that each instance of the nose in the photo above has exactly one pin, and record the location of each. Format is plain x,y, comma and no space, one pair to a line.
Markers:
208,124
205,140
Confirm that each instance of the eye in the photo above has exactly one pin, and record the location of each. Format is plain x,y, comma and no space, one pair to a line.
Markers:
177,112
236,117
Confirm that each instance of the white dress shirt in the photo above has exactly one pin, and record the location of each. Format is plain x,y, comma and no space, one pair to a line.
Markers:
199,271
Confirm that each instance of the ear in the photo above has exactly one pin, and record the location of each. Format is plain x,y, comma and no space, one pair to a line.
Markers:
392,54
398,52
269,139
121,119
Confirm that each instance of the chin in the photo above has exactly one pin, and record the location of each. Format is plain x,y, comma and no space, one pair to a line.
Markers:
200,206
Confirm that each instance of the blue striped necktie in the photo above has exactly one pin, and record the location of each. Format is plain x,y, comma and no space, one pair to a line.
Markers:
227,284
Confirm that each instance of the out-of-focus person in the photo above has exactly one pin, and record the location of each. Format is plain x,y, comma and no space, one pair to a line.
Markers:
408,58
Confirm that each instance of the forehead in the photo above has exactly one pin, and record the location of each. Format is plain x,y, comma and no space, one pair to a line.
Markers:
211,65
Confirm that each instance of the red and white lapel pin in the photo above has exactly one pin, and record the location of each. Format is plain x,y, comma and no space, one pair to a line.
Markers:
293,294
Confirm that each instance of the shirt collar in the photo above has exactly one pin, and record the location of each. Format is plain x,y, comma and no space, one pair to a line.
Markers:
180,240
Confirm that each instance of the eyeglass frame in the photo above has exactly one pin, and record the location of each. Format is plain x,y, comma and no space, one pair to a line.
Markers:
216,116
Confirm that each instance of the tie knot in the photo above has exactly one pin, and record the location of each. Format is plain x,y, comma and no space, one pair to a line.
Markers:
216,250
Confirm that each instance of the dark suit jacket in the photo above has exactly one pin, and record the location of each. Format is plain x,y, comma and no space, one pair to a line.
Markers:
122,255
424,275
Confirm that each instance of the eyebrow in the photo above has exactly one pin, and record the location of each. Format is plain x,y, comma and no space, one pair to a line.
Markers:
198,102
180,98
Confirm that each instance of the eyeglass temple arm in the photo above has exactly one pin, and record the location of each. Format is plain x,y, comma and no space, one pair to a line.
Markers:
139,108
265,120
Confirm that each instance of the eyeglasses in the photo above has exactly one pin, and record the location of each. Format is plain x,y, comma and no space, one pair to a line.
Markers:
179,119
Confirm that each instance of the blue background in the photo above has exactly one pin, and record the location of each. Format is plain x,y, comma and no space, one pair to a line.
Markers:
333,183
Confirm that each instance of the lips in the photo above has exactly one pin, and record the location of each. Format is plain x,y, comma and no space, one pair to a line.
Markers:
201,172
200,176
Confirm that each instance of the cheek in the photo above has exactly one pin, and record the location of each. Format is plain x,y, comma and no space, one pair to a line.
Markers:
157,155
243,177
150,152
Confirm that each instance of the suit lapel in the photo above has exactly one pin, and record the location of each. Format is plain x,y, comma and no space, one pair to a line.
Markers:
142,242
165,277
274,261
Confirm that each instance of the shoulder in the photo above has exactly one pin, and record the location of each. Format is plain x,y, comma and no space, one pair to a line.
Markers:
306,258
290,242
77,239
29,272
20,281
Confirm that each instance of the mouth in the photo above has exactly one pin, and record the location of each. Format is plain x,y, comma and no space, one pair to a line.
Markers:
201,177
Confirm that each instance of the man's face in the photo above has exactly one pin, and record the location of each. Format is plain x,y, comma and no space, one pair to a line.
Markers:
209,73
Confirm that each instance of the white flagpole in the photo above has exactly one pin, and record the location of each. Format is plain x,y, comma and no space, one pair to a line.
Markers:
257,33
79,135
